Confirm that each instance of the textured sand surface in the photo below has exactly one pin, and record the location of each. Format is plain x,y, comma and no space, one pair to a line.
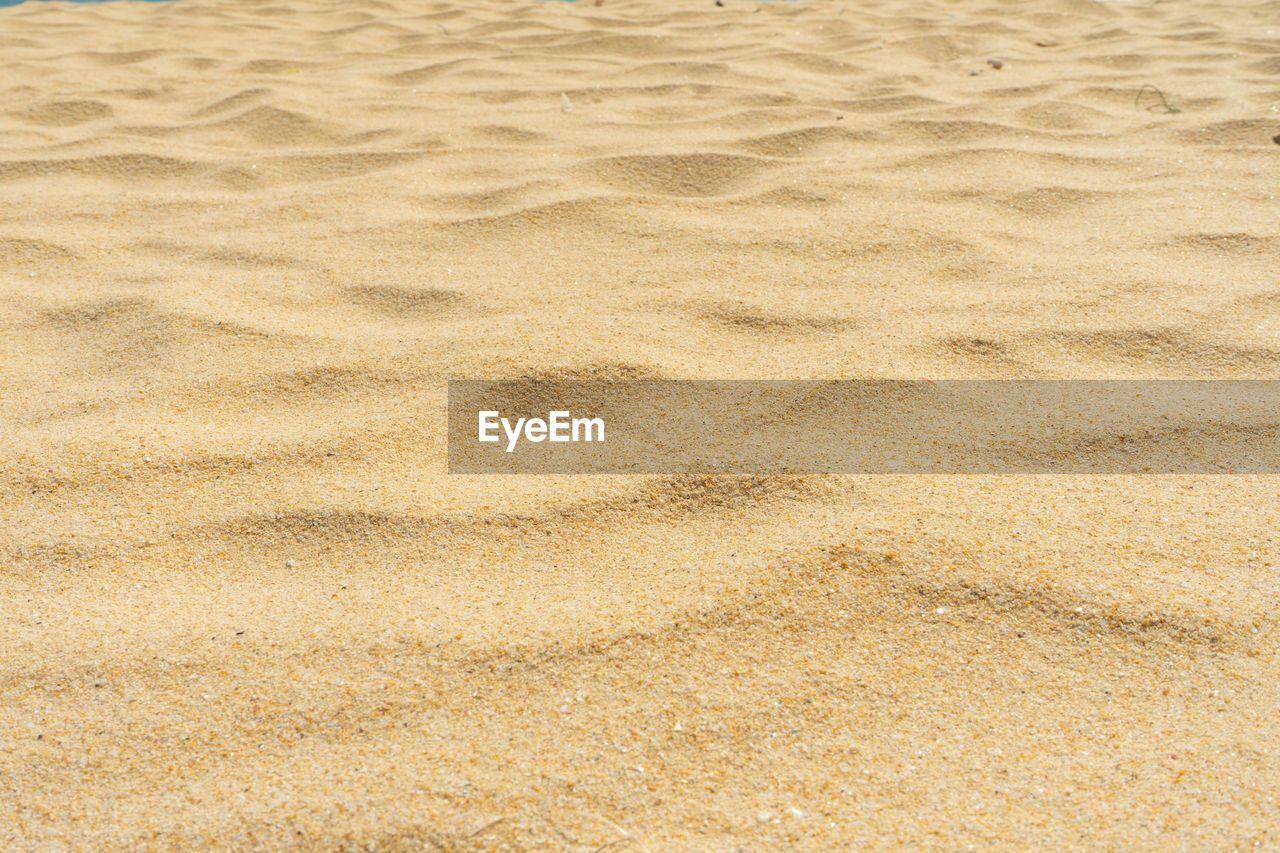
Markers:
244,244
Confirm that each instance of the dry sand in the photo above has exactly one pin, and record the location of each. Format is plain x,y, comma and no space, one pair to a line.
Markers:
244,244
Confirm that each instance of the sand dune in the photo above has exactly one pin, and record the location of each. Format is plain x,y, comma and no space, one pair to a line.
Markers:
245,243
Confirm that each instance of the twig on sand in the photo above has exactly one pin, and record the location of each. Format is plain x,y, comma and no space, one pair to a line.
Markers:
488,825
1164,104
626,836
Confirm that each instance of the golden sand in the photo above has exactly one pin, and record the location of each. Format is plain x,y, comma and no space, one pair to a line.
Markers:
244,244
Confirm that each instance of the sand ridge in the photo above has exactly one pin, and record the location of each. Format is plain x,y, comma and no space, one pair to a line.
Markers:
245,243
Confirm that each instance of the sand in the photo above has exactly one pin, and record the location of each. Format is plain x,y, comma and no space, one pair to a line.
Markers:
243,246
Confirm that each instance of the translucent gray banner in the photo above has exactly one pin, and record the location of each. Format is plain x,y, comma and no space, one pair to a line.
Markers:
865,427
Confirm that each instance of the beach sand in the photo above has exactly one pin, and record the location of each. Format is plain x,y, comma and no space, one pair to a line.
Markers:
244,245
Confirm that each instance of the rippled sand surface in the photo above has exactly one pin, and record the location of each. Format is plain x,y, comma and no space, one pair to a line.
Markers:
243,245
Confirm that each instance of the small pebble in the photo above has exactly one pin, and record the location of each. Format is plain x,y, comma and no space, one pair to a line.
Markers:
763,817
995,63
289,564
566,105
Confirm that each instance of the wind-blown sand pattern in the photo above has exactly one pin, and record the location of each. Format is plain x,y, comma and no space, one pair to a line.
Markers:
243,245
